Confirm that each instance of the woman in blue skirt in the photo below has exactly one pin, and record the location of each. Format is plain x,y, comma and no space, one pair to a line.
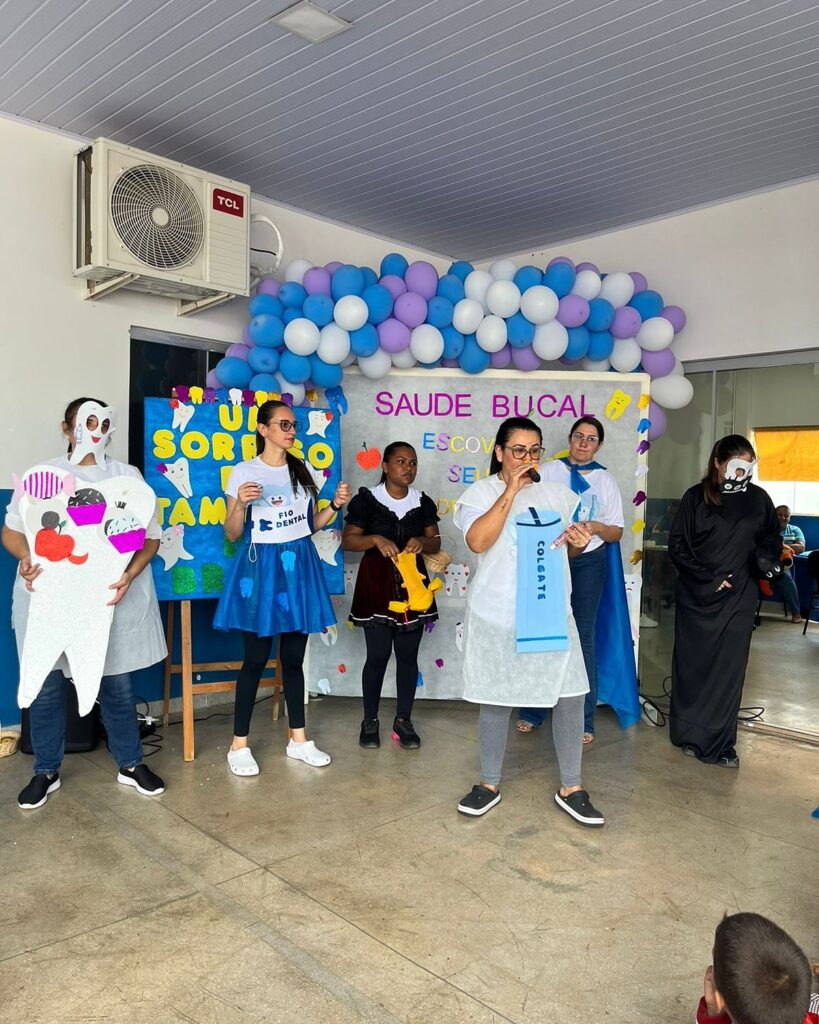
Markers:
276,586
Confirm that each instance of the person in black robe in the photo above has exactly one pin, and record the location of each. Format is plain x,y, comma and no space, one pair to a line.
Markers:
724,538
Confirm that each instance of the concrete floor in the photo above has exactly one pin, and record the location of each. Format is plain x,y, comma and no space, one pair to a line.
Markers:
357,893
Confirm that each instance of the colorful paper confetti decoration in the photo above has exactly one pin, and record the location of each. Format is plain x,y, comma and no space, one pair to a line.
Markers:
643,426
639,498
639,526
642,402
439,662
643,447
342,668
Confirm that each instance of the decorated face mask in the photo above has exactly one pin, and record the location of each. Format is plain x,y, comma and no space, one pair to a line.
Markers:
93,428
738,475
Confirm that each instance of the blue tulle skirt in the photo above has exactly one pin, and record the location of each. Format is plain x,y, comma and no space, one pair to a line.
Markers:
276,588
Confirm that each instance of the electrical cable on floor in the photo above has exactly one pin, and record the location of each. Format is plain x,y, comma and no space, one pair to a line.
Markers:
660,712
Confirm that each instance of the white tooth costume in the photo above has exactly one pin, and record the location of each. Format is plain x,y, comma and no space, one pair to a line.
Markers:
69,627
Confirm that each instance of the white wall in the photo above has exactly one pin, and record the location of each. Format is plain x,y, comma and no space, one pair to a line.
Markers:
55,345
745,272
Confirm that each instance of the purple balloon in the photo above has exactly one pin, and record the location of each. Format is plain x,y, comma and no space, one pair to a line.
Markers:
640,281
246,339
411,309
332,266
559,259
317,281
675,316
268,286
393,335
658,421
394,284
569,362
212,381
421,277
586,266
450,364
525,358
626,322
240,351
500,360
657,364
572,311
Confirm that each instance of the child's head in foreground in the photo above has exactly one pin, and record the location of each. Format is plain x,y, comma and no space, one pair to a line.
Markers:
760,974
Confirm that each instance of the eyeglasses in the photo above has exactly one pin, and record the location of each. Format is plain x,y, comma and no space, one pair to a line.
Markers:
579,438
520,451
286,425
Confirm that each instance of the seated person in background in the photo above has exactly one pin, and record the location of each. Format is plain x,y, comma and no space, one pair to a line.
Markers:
759,976
794,539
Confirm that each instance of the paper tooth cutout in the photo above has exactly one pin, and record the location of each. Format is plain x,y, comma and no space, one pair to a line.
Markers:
456,578
459,635
641,470
329,636
617,404
172,546
639,525
323,686
327,543
68,610
318,422
642,401
178,473
235,396
196,395
636,556
182,416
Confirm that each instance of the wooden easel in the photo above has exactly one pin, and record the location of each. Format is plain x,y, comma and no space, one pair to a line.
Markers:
186,669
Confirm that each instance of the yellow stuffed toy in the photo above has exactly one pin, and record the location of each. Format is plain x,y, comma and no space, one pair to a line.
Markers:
419,595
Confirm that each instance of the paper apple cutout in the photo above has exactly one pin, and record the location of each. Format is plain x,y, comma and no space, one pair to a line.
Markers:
368,458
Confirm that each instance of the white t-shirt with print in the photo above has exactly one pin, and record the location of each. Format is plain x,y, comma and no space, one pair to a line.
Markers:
601,503
281,514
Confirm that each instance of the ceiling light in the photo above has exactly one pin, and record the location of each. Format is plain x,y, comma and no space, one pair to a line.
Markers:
310,22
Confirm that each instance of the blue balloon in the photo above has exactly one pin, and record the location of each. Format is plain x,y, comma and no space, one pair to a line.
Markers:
453,343
370,276
461,269
233,372
648,304
263,382
560,277
528,277
292,314
263,360
520,332
319,309
579,340
601,344
266,330
430,366
379,303
347,280
439,312
265,304
364,341
292,295
451,287
294,368
324,375
601,315
394,263
473,359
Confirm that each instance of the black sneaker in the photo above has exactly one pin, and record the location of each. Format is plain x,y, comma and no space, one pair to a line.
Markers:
729,758
368,737
403,731
478,801
36,792
579,807
143,780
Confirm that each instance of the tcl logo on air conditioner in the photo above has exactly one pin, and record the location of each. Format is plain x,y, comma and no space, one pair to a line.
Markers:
228,202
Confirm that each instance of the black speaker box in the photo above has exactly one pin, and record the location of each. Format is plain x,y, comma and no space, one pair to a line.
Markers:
81,734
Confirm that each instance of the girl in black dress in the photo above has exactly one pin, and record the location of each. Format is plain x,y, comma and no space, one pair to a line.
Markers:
724,536
382,522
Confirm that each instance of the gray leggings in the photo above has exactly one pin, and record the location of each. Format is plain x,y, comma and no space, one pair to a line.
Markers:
567,733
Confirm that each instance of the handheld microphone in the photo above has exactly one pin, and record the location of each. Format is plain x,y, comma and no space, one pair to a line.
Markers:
534,475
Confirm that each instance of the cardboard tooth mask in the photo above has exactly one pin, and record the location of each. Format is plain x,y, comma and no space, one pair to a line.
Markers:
93,428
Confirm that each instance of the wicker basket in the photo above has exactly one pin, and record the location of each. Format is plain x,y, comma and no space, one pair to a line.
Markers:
9,742
439,561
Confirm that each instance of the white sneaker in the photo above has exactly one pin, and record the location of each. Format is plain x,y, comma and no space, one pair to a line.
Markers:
309,753
242,762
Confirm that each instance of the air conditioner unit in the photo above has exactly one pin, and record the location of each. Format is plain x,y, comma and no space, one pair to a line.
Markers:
158,226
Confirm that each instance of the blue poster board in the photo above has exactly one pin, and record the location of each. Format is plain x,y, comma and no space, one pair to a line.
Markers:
190,449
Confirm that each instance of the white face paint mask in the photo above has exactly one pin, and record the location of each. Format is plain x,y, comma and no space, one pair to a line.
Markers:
738,474
94,439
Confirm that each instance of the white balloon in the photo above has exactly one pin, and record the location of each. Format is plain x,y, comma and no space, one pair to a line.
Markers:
550,340
625,355
334,344
539,304
679,369
375,366
296,270
350,312
587,285
672,392
491,333
655,334
503,298
302,336
503,270
467,315
351,358
426,343
403,360
476,286
285,388
617,289
595,365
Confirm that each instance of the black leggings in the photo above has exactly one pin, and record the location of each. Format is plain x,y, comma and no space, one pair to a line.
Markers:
380,643
257,652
